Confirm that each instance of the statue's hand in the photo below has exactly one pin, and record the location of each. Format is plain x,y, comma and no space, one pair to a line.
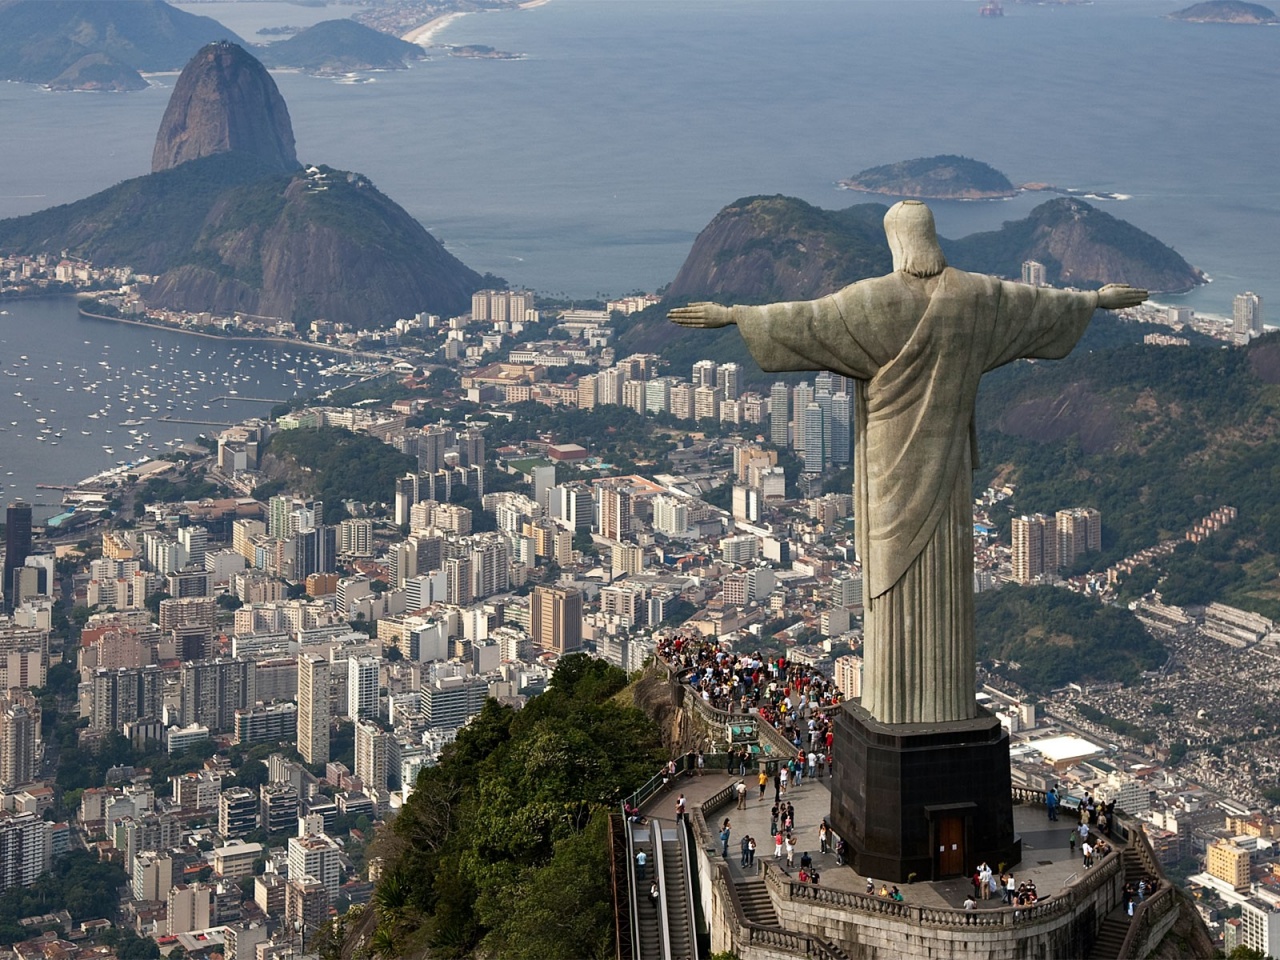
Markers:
705,315
1117,296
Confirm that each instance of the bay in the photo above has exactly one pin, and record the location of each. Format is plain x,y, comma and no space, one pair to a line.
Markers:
79,395
588,167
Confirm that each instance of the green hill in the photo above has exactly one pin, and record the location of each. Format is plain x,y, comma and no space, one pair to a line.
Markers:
341,46
1155,438
1226,11
46,41
1045,637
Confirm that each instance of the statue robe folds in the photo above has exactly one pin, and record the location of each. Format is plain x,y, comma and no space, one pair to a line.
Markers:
917,347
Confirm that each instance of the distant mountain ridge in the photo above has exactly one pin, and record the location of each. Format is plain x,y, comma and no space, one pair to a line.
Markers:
781,248
231,223
91,44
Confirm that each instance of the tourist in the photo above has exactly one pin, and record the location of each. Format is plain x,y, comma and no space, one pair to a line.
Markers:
700,761
777,845
842,850
1051,803
984,880
764,782
751,851
970,903
790,847
724,840
653,892
1008,888
746,842
783,774
741,790
822,837
806,860
642,862
896,894
871,887
803,876
680,808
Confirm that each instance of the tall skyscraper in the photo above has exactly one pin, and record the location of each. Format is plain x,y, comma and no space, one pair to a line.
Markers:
121,696
1247,315
313,708
362,687
19,721
213,690
1035,547
779,414
841,419
556,618
815,441
801,397
729,380
371,755
704,373
1078,531
17,546
615,511
1033,272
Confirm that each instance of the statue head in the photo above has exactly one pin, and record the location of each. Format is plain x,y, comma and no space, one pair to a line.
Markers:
913,239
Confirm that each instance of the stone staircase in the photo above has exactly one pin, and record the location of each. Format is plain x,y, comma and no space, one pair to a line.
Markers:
756,903
1116,926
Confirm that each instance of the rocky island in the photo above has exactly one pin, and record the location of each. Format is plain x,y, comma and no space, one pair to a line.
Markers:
478,51
945,177
1226,11
229,222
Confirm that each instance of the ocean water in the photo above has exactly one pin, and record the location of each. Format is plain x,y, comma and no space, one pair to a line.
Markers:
589,167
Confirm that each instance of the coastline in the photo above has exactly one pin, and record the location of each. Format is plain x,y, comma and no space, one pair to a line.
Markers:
424,35
284,341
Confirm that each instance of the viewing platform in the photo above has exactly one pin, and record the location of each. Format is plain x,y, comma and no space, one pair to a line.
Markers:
761,911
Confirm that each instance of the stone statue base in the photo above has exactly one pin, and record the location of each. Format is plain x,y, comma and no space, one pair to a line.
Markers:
921,798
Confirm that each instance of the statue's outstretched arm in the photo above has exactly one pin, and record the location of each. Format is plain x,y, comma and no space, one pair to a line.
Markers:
704,315
1117,296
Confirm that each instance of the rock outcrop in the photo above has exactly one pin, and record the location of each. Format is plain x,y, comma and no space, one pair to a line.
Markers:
781,248
946,177
225,102
1080,246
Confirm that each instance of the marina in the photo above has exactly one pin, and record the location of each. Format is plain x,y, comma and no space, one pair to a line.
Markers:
87,398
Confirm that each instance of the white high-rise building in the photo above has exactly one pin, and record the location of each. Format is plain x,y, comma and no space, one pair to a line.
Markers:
1247,315
729,380
1033,272
779,414
815,440
362,687
316,856
371,755
704,373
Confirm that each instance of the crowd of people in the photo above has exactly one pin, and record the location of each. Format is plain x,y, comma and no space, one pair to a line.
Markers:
799,703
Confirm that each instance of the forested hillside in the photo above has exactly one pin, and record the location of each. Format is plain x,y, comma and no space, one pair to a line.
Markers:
502,849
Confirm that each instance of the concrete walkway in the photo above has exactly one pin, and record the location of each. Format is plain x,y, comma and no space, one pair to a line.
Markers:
1046,854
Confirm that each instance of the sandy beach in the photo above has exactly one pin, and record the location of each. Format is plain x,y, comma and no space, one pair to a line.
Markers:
425,34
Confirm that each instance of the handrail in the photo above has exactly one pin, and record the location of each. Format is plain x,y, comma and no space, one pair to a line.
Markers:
748,931
633,902
686,855
781,884
660,875
1155,907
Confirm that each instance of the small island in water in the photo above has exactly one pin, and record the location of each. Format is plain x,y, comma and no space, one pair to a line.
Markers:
478,51
1226,11
945,177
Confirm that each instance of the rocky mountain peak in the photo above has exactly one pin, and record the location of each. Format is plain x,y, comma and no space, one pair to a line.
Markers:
225,101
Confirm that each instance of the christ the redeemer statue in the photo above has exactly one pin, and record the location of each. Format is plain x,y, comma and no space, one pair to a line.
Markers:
917,342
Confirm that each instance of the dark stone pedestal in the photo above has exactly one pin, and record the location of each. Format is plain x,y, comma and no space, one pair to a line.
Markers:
928,799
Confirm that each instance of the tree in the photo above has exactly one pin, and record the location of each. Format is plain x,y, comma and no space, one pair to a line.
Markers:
152,602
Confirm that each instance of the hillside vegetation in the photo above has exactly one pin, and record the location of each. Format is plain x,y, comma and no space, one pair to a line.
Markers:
502,849
334,464
1155,438
1044,638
